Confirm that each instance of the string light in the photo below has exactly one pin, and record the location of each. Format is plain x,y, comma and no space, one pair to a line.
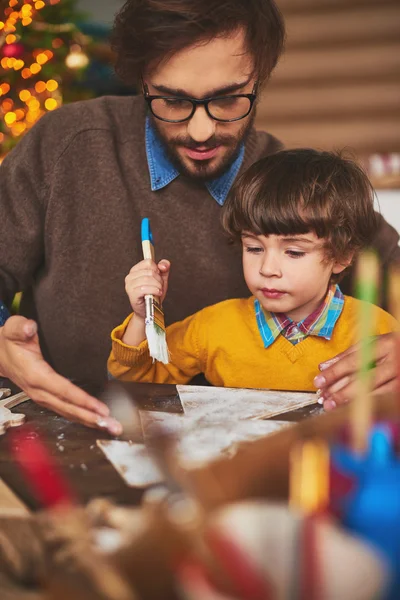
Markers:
24,95
35,68
40,87
10,118
25,63
52,85
51,104
4,88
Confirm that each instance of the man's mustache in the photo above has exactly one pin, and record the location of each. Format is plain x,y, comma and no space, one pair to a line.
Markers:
210,144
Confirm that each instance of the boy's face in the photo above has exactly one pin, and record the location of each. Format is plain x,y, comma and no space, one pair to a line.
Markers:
287,274
201,147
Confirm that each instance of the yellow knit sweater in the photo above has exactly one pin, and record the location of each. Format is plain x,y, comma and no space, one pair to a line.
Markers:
223,342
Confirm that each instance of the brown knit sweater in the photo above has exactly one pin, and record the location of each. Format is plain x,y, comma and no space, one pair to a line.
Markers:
72,196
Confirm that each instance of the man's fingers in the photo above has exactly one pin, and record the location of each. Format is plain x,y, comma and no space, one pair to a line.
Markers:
387,388
338,357
77,413
345,389
345,367
383,345
58,386
19,329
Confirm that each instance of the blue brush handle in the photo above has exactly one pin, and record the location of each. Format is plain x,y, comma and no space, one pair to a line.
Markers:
147,236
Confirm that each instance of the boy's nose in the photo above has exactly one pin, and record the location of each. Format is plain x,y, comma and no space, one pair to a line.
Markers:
201,127
270,266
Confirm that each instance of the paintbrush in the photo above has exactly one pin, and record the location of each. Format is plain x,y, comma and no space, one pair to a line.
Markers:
155,324
367,292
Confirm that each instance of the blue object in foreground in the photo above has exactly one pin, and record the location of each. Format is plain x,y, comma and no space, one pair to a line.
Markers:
4,314
372,509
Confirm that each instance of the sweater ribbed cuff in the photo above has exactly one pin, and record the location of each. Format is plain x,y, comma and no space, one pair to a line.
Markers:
128,356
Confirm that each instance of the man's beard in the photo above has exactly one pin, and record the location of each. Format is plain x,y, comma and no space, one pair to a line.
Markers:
201,170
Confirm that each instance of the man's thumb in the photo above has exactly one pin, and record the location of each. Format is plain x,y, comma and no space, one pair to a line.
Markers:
19,329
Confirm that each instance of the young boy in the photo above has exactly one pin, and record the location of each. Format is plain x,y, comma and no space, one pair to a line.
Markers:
301,216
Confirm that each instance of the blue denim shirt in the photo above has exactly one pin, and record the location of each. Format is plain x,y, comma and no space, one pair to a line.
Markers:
4,314
162,171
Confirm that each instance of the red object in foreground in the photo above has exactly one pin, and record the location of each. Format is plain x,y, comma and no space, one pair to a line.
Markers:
39,469
248,582
310,586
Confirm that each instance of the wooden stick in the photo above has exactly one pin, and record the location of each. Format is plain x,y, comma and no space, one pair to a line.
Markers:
367,288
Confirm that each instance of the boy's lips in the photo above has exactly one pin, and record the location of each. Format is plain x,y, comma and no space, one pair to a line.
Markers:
272,293
201,153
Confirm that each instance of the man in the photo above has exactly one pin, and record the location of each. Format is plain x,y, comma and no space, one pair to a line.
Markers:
81,181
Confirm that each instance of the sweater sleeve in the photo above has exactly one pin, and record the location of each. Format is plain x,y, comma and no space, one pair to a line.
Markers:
385,323
22,218
130,363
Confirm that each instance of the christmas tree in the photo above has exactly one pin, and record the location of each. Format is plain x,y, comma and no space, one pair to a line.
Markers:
43,55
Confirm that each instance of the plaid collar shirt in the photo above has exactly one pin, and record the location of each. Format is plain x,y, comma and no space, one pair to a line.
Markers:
320,323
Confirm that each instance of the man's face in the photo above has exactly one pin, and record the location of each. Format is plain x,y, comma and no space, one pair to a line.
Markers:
203,148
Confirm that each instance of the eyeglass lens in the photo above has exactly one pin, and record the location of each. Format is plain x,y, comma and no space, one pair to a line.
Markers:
175,109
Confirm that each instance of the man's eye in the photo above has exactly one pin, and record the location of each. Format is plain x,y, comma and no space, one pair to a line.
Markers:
295,253
175,103
253,249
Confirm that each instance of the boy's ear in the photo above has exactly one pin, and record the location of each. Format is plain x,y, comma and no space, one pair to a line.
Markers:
340,266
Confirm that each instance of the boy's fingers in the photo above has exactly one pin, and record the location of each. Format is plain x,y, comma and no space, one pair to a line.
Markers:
165,267
139,282
147,265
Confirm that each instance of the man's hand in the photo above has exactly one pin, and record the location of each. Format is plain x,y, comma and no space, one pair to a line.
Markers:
22,362
337,380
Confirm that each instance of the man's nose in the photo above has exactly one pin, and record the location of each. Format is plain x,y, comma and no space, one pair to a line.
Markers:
201,127
270,266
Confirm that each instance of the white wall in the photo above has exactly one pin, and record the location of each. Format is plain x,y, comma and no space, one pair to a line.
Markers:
388,204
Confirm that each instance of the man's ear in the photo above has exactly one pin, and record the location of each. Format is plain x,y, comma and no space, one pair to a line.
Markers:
341,265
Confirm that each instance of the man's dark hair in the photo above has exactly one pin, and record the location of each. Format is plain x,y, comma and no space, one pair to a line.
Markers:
147,32
301,191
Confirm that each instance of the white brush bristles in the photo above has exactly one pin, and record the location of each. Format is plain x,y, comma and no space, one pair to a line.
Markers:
157,341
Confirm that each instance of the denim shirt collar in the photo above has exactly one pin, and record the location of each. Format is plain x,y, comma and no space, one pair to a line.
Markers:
162,171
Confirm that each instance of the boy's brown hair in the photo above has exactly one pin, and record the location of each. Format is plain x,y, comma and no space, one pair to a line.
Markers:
304,190
147,32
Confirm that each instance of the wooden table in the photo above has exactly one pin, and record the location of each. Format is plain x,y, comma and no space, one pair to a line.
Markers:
74,447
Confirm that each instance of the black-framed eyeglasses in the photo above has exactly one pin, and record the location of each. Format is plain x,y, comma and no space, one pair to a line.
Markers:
175,109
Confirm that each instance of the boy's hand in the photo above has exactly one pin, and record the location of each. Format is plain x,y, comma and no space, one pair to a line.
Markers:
146,278
338,378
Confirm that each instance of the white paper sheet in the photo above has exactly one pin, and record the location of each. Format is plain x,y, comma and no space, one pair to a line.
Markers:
218,404
196,446
132,461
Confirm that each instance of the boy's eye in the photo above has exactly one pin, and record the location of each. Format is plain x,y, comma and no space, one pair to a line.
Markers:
253,249
295,253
